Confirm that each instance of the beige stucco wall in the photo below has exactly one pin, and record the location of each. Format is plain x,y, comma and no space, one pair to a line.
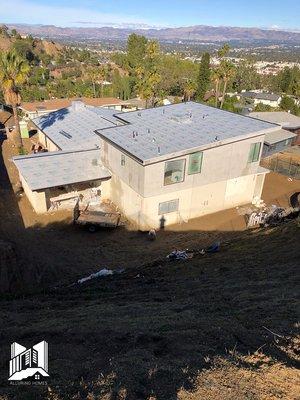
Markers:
46,142
193,202
219,164
132,173
36,198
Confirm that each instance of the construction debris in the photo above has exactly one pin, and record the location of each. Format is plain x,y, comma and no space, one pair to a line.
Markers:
179,255
271,216
103,272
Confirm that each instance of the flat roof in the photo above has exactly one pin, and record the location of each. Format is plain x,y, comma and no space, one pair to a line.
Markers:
283,118
278,136
166,130
261,96
56,104
57,168
73,128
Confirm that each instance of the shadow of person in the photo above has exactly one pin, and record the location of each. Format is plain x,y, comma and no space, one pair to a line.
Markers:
162,222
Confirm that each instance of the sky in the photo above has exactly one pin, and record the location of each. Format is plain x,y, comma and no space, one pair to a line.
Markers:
272,14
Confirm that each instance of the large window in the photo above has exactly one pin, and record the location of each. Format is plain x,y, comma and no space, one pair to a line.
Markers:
168,206
195,163
254,152
174,172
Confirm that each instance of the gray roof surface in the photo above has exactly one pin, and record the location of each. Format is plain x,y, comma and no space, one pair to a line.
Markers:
52,169
73,128
278,136
261,96
283,118
179,127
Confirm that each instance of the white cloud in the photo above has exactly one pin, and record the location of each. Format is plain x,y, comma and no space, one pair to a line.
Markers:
24,11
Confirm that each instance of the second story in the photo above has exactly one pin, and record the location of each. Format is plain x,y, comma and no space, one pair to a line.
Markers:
182,146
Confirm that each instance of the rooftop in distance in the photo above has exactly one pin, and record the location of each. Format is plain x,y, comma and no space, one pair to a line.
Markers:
56,104
182,127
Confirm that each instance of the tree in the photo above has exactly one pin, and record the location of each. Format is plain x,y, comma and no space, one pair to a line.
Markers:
190,89
246,77
136,50
222,74
204,76
227,72
217,78
97,75
288,104
148,76
14,71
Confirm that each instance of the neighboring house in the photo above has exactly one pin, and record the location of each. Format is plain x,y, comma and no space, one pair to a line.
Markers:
285,119
160,166
39,108
268,99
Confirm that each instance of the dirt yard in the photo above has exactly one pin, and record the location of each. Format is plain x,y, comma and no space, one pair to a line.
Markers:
219,326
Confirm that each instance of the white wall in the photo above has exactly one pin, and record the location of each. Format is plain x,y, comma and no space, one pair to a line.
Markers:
46,142
36,198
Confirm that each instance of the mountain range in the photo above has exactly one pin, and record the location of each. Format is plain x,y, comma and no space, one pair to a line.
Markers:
198,33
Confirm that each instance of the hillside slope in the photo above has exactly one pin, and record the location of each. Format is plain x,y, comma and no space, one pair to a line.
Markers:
38,46
219,326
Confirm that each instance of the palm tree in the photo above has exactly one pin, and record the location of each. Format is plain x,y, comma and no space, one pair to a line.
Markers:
97,75
190,89
217,79
228,72
14,71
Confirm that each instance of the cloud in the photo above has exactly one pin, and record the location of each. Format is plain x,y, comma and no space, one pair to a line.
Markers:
26,11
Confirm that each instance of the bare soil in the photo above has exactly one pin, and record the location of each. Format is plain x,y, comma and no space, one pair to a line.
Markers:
224,325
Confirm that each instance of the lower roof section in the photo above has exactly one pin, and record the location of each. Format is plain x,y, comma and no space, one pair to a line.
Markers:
278,136
47,170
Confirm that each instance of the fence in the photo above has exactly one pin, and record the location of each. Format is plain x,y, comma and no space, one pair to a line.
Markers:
289,167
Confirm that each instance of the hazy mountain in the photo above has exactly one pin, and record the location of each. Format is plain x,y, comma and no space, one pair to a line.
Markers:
191,33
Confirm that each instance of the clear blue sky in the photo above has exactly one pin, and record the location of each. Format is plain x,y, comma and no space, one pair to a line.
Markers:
258,13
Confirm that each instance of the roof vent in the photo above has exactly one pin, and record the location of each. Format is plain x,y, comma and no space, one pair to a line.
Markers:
139,114
148,130
65,134
216,138
77,105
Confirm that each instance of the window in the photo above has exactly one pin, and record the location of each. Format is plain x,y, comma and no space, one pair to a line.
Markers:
174,172
122,160
168,207
254,152
195,163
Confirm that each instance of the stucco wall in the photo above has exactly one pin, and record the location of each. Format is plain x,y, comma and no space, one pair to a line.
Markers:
46,142
226,180
37,199
132,173
218,164
193,202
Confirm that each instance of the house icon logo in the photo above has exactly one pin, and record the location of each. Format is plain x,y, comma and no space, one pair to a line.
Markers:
28,364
